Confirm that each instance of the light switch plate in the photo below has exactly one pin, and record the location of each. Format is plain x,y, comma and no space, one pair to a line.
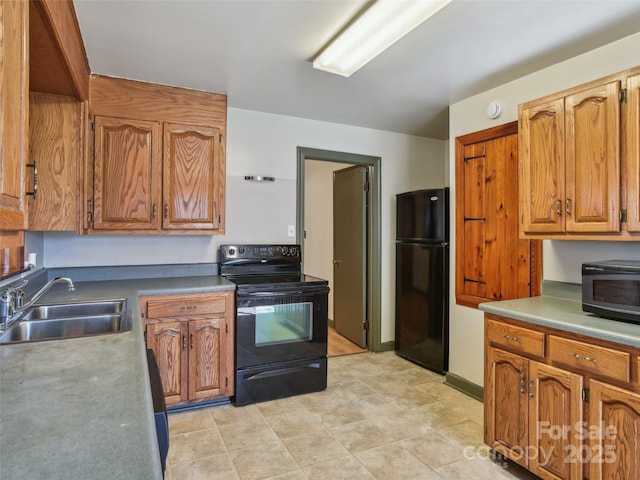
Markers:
291,231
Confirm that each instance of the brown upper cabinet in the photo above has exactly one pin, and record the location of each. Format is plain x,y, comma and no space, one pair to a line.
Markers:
574,147
159,159
56,146
14,113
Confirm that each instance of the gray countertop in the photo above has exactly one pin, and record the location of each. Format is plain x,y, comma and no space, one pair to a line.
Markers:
81,408
565,314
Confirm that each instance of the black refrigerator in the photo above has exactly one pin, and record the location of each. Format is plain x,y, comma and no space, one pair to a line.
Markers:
422,278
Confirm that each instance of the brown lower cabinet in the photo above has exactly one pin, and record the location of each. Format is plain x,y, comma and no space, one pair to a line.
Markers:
192,338
563,406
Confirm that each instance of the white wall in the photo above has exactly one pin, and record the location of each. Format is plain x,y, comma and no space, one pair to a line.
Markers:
265,144
318,221
561,259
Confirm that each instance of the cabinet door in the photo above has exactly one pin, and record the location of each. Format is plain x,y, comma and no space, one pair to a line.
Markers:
592,202
192,177
14,98
615,419
632,153
555,413
206,358
168,340
55,142
126,174
506,404
541,167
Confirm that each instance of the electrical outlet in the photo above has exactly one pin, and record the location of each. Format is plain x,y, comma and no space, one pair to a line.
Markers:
291,231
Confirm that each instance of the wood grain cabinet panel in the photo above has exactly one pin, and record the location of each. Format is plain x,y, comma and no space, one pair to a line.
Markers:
542,166
492,262
615,450
578,161
56,143
160,159
14,113
168,342
192,336
592,198
632,153
506,429
190,177
554,414
126,174
207,376
515,338
602,361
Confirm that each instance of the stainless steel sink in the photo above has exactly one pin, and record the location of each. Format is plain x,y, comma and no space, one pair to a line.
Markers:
62,310
62,328
68,320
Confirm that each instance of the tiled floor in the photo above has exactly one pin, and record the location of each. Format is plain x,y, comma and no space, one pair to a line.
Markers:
381,417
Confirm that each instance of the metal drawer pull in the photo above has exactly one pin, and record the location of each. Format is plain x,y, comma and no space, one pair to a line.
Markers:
582,357
184,342
509,337
191,307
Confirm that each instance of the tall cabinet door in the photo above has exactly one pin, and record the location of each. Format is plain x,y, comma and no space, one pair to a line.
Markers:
632,153
192,177
126,174
206,358
616,449
555,412
542,167
592,202
14,110
168,340
506,408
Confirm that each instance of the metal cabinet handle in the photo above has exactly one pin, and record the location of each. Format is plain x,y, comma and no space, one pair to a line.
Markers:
513,339
582,357
530,388
184,342
34,165
522,382
568,206
166,210
155,211
191,341
190,307
559,207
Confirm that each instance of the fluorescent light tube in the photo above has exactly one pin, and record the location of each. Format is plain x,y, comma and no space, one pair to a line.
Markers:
380,26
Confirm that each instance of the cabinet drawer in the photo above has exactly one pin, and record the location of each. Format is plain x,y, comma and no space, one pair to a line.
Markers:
516,338
592,358
194,304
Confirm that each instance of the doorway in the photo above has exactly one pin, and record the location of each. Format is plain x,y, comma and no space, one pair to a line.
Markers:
371,262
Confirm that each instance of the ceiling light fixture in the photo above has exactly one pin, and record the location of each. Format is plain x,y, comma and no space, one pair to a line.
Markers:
377,28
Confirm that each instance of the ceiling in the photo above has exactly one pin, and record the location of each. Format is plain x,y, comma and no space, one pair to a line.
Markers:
259,52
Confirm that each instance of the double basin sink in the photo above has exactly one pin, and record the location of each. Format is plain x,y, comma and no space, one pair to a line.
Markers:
68,320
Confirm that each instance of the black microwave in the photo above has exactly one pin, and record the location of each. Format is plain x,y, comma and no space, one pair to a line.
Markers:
611,289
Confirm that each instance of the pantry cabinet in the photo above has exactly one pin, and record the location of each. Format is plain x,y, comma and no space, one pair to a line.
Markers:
159,159
192,338
561,405
572,156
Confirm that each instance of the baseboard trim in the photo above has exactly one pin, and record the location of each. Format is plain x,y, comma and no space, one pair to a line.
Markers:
464,385
386,347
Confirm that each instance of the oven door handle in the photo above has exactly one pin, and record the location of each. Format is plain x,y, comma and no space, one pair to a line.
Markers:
284,293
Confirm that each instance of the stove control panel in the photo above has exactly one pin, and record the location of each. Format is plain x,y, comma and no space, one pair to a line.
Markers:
259,252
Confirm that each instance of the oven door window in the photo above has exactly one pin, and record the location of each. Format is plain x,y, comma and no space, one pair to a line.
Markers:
278,324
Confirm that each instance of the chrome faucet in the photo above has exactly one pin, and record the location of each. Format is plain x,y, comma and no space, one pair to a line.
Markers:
11,301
